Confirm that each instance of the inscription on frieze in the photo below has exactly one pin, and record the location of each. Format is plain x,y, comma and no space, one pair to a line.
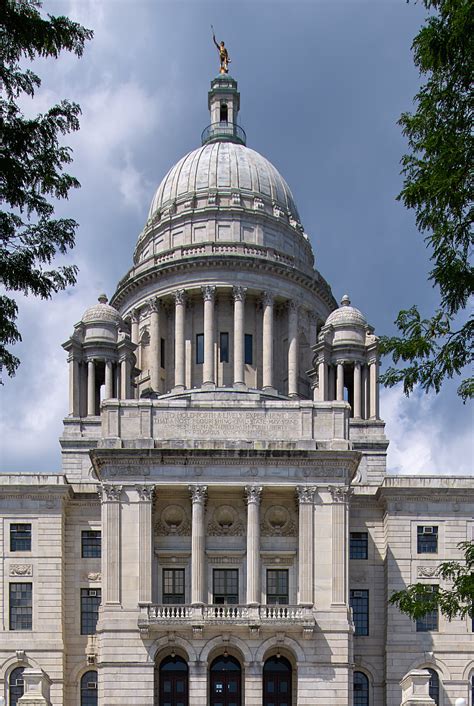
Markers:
227,424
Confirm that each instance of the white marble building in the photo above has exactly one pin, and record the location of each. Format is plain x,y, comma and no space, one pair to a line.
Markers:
224,532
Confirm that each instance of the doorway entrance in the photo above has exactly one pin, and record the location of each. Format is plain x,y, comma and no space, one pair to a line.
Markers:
173,682
277,682
226,682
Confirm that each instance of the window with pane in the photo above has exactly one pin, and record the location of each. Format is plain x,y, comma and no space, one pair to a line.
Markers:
429,622
162,352
427,539
434,685
277,586
361,689
16,686
199,348
90,602
360,611
91,544
225,586
224,347
21,606
359,545
173,585
20,537
248,346
89,689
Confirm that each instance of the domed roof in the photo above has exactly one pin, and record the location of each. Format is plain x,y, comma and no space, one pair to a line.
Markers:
346,315
224,166
101,312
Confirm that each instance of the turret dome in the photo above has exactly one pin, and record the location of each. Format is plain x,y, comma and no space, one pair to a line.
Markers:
346,315
101,312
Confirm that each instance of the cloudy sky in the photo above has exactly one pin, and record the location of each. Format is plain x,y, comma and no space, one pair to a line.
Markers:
322,84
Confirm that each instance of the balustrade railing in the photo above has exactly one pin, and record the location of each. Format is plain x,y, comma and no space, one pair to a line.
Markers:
228,613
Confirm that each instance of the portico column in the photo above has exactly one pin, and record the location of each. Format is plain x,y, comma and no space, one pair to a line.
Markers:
323,381
253,495
110,496
239,335
365,392
154,361
305,494
267,340
208,368
179,298
74,387
124,379
109,385
357,390
90,388
374,392
332,383
340,497
292,349
145,544
198,544
135,320
340,382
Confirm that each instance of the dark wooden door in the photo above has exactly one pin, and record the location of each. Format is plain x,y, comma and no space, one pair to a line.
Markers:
173,682
277,682
226,682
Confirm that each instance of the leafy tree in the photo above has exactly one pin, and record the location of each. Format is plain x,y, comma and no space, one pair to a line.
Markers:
456,602
31,164
438,185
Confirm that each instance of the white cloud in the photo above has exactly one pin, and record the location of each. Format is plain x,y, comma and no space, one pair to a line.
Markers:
422,440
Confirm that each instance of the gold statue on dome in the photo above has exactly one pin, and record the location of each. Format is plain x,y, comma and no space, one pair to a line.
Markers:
223,54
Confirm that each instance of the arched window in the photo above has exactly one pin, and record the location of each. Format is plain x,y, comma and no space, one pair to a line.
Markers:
223,113
15,686
361,689
434,686
277,682
89,688
226,682
173,678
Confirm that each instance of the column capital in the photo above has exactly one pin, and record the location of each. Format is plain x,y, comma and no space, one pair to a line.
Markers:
267,298
154,305
198,493
179,296
306,493
239,293
109,493
208,292
340,494
135,316
292,304
253,494
145,492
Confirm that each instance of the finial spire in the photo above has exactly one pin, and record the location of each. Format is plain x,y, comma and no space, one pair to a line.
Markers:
345,301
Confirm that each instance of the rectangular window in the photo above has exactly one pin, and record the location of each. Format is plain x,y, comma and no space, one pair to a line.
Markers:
359,547
173,586
429,623
248,349
90,602
226,586
199,348
360,611
20,537
277,586
427,539
91,544
224,347
162,352
21,606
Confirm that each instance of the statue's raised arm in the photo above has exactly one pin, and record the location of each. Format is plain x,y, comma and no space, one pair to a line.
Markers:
223,54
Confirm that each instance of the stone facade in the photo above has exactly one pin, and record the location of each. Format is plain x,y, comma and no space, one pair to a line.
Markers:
224,511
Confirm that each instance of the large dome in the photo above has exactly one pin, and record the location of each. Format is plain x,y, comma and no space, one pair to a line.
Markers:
225,167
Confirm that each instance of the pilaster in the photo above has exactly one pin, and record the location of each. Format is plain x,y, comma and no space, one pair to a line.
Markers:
111,496
305,495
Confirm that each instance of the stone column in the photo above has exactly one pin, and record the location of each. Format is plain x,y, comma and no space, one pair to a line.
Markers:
198,544
135,321
332,383
340,497
110,495
91,388
109,381
267,336
305,494
208,367
145,542
74,387
365,392
357,391
124,379
323,381
292,349
239,335
154,359
179,379
253,495
340,382
374,390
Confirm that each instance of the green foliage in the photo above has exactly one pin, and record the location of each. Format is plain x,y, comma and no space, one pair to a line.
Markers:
438,185
455,602
31,165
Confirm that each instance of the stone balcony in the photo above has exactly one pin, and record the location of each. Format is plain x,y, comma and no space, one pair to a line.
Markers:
156,616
